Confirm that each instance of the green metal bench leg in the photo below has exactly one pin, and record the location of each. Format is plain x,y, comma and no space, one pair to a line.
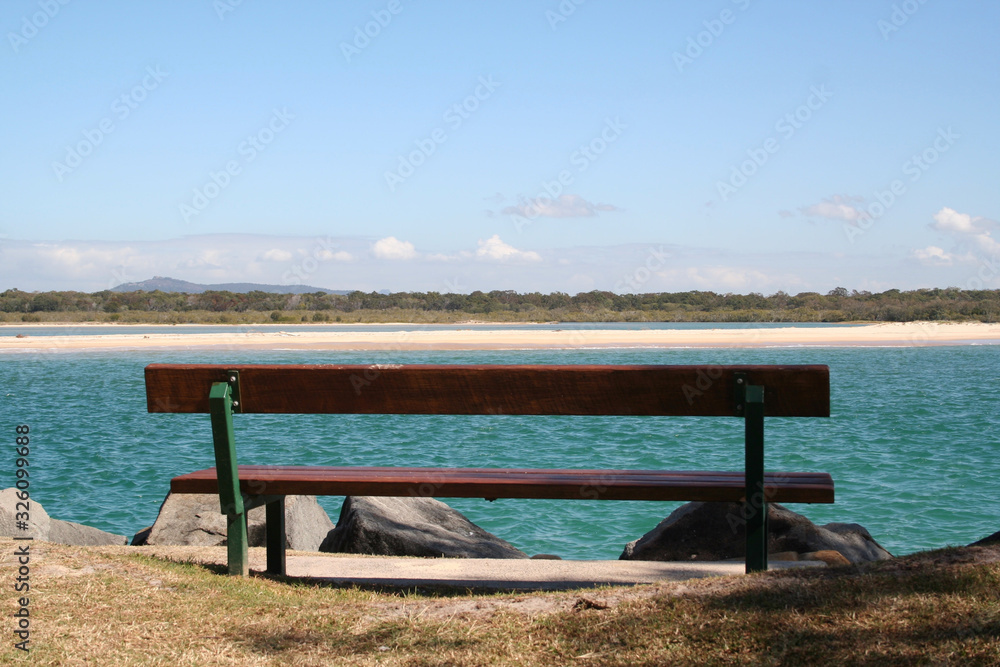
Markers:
230,499
275,513
754,503
236,543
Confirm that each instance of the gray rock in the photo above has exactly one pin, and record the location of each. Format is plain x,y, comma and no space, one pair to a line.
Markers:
403,526
38,519
306,523
67,532
43,527
715,531
194,519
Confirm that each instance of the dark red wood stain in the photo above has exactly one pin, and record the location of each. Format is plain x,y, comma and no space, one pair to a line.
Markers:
790,391
788,487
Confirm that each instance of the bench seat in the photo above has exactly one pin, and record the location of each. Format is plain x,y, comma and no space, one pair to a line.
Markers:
492,483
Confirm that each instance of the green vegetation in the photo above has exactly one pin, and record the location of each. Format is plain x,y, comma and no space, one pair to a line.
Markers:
220,307
120,606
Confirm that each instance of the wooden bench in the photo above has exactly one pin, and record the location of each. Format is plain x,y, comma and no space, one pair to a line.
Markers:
747,392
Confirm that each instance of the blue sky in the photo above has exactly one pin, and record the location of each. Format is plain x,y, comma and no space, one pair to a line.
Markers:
730,145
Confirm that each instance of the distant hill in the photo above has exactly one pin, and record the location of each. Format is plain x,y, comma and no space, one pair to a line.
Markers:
174,285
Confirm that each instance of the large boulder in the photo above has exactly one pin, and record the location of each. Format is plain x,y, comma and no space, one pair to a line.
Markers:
194,519
38,523
388,526
67,532
716,531
41,526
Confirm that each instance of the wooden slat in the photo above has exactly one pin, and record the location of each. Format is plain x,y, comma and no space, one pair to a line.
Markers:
790,391
789,487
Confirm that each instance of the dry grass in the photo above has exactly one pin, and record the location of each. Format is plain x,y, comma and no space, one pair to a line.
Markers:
115,606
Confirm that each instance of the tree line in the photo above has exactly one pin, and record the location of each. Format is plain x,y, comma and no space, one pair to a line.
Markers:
838,305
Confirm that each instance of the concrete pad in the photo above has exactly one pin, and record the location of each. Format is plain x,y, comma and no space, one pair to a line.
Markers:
508,574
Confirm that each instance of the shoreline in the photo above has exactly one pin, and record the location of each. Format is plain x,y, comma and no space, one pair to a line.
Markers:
915,334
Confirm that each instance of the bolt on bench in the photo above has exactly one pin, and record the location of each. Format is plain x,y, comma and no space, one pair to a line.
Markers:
747,392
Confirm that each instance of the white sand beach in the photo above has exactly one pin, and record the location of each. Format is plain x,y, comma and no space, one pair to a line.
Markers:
418,338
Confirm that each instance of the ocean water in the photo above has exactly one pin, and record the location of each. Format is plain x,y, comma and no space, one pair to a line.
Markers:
913,443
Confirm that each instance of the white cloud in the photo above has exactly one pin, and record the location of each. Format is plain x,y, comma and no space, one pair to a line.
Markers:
339,256
90,266
208,258
392,248
563,206
496,250
837,207
933,255
950,220
967,229
276,255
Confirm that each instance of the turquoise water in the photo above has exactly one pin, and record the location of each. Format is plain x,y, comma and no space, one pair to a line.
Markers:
912,443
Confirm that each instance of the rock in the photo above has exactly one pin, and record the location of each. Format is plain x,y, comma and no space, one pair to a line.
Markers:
389,526
992,539
830,557
546,557
139,539
194,519
38,519
715,531
306,523
852,540
67,532
43,527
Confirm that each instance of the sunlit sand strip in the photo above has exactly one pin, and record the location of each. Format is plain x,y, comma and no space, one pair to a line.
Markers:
893,334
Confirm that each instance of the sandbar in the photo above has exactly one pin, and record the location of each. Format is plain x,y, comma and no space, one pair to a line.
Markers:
500,338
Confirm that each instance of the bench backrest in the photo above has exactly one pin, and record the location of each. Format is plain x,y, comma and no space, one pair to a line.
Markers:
709,390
